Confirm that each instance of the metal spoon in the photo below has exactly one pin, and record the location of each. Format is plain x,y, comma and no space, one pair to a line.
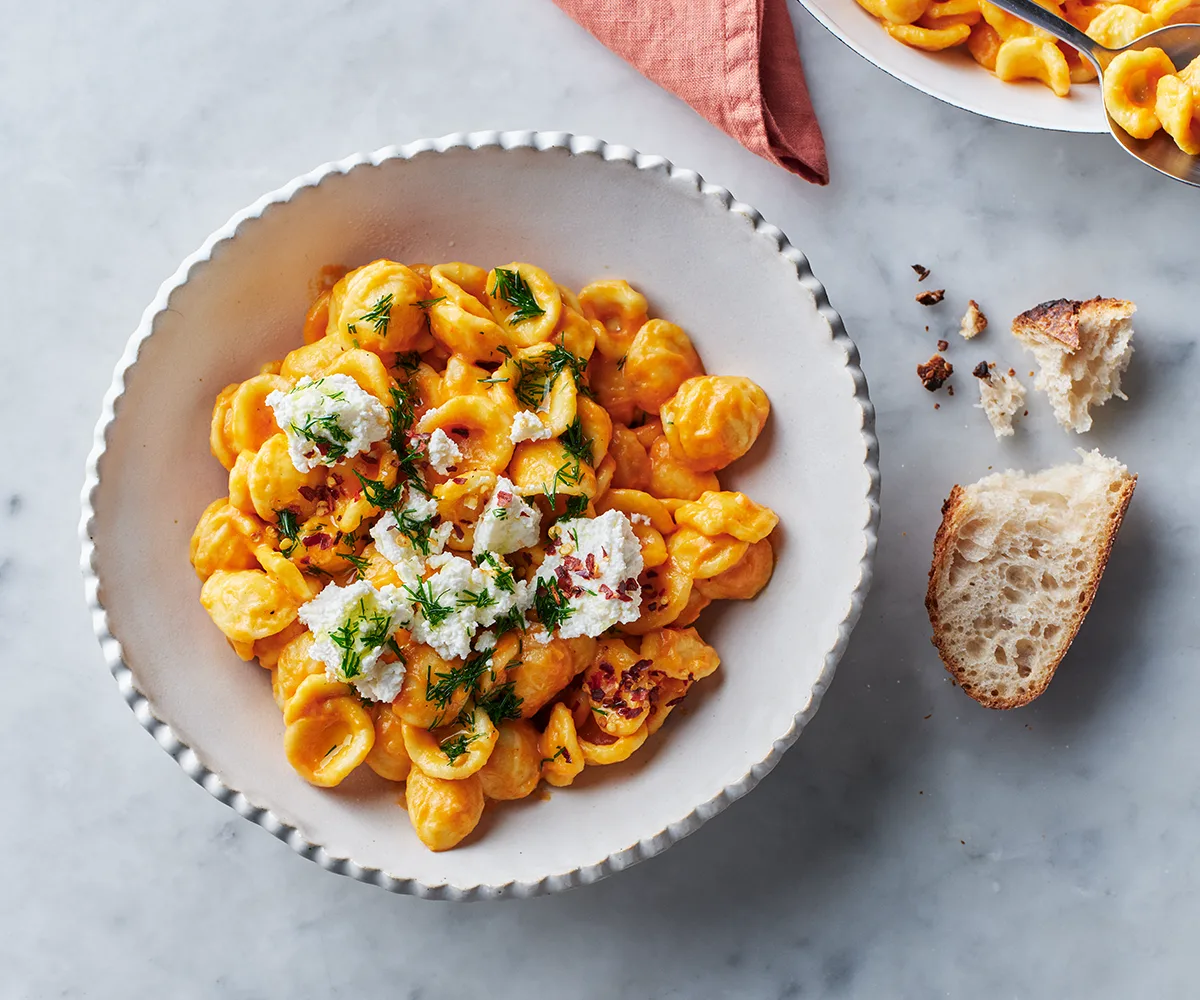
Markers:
1181,43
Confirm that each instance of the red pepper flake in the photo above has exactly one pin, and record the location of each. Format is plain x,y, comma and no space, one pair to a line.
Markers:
458,480
504,498
591,564
607,591
319,539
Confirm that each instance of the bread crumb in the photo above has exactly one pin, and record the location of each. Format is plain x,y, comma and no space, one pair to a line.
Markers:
1000,397
937,406
974,322
942,344
934,372
949,390
932,298
922,271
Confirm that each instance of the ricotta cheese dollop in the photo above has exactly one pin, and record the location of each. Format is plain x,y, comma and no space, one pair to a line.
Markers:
507,523
351,627
442,452
594,563
527,426
327,420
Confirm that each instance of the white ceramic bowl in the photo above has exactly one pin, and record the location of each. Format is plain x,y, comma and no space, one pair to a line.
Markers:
954,77
584,210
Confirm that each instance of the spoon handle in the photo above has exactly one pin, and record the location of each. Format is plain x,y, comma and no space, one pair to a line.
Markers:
1064,31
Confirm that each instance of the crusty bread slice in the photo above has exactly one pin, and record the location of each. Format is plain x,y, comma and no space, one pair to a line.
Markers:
1082,348
1001,395
1016,563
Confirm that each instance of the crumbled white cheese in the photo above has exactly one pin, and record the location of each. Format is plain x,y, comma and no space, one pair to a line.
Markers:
397,546
350,627
595,564
528,427
507,523
454,602
328,420
639,518
442,452
485,640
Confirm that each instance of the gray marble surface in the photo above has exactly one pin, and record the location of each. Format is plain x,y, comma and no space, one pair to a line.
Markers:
912,844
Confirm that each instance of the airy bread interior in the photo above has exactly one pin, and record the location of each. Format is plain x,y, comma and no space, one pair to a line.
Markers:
1082,349
1016,564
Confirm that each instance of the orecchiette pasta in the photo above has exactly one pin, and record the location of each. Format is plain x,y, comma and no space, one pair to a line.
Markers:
1142,94
472,519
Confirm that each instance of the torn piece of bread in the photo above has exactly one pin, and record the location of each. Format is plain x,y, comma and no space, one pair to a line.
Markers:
1001,395
1016,563
974,322
1082,348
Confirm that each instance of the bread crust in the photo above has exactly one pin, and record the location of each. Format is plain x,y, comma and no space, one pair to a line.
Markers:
1058,319
955,512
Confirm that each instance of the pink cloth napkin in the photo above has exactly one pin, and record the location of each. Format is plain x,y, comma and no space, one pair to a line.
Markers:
733,61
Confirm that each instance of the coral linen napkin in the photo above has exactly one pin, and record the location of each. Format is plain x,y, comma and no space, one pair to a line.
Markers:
733,61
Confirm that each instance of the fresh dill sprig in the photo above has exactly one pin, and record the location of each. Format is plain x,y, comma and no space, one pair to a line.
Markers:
354,641
380,315
536,375
379,495
621,362
431,607
503,576
567,474
326,433
513,618
550,604
469,599
289,530
464,677
402,415
358,562
457,746
515,290
426,303
501,703
576,507
575,442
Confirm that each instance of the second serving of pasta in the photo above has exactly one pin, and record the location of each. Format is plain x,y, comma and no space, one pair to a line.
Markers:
1143,91
470,525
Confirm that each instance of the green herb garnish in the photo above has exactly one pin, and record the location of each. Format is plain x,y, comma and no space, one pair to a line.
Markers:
457,746
515,290
501,703
354,641
575,442
504,575
289,528
550,604
380,315
426,303
431,607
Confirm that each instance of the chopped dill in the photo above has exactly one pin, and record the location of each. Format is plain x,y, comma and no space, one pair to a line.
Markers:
426,303
562,752
358,562
575,442
470,599
501,703
380,315
326,433
536,375
360,634
503,576
289,529
464,677
457,746
431,607
550,604
515,290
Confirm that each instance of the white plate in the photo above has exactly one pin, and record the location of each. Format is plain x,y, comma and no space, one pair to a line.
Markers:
583,210
954,77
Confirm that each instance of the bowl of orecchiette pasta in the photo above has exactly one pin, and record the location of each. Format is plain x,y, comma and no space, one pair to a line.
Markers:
482,515
973,55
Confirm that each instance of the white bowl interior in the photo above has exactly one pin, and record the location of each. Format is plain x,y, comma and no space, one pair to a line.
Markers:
954,77
582,218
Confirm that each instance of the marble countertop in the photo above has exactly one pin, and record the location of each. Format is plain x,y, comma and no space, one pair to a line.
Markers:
912,844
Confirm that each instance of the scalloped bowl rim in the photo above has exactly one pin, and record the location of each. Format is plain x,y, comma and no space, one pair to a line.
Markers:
648,847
